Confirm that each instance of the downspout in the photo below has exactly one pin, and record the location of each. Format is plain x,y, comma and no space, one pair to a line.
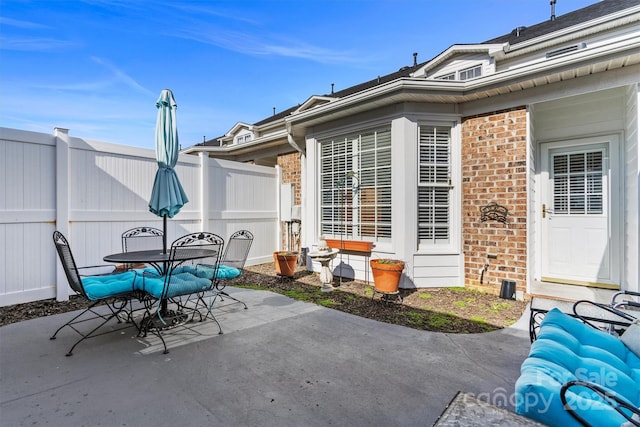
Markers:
292,142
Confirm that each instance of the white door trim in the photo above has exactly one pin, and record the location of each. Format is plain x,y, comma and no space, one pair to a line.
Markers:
615,168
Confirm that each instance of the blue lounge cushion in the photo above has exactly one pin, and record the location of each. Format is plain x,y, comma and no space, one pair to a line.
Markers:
179,284
567,349
99,287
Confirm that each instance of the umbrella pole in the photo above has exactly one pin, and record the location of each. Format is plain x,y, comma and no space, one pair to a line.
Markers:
163,303
164,234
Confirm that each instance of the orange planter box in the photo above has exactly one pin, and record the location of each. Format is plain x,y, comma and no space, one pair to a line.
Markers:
350,245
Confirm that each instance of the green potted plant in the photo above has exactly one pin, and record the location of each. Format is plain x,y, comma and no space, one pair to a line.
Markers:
285,262
386,274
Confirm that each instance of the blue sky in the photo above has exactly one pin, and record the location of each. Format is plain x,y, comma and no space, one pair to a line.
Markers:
97,67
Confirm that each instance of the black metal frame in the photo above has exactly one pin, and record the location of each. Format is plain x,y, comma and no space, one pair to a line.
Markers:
146,233
616,402
116,303
235,255
158,316
618,322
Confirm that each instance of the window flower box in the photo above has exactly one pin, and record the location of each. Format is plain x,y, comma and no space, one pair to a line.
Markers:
350,245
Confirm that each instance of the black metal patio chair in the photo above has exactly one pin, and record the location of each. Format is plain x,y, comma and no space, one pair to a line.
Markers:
233,261
141,239
112,290
179,293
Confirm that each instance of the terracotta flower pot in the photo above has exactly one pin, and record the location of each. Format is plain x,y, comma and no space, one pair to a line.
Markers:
386,274
285,263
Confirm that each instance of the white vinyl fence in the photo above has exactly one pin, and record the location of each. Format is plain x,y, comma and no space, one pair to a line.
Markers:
93,191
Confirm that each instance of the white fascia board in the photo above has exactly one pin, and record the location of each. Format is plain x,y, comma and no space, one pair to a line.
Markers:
237,128
585,29
545,65
464,87
231,148
456,49
377,92
313,100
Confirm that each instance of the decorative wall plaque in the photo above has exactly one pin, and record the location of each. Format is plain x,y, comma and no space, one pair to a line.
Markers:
494,212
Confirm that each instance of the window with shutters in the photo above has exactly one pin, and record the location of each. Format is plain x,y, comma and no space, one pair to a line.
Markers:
434,185
355,186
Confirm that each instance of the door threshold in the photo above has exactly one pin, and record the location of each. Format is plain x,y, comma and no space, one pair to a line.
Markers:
571,292
581,283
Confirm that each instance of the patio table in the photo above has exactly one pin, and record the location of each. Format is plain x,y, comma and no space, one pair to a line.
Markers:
159,259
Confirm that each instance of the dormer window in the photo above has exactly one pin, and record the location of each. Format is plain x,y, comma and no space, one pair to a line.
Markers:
451,76
240,139
471,73
465,74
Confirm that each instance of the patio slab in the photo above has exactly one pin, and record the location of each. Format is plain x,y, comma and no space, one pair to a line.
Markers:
279,363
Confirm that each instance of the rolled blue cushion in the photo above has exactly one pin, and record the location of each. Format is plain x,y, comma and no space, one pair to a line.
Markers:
208,272
226,272
179,284
99,287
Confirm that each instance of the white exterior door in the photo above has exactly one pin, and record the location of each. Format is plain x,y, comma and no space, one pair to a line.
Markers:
579,234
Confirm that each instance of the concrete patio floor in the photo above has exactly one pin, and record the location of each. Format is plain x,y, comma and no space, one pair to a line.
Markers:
280,363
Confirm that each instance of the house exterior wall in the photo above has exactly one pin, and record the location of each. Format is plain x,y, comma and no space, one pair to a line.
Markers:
591,115
291,173
494,159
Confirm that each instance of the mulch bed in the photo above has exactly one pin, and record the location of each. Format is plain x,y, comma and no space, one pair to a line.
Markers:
454,310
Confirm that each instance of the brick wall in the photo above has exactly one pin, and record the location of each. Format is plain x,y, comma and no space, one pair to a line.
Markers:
290,169
494,170
290,166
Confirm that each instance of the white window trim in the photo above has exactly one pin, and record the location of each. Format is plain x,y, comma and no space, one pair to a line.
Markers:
454,245
343,133
472,68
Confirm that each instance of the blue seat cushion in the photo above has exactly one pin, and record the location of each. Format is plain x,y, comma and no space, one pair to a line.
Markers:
567,349
208,271
99,287
178,284
226,272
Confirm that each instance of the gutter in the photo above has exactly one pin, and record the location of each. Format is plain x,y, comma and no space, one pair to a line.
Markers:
300,147
230,149
585,29
469,87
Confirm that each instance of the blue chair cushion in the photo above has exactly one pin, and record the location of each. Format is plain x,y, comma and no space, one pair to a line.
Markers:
226,272
207,271
567,349
179,284
99,287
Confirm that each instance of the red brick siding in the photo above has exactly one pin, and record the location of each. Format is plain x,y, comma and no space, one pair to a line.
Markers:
290,169
494,170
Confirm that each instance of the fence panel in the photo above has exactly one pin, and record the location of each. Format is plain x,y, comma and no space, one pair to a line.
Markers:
243,196
93,191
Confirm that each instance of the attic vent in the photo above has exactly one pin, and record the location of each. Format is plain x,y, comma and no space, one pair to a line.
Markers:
564,50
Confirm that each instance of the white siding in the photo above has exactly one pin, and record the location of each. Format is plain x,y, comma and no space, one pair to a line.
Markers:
612,111
632,168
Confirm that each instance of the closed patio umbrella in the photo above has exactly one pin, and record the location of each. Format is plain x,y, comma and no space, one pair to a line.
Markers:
167,196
